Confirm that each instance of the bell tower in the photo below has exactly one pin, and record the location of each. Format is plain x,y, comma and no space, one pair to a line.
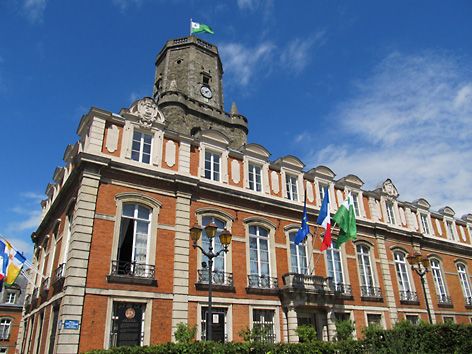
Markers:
188,89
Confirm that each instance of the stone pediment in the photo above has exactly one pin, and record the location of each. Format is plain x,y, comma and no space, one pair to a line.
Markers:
213,136
422,203
255,150
467,217
352,180
447,211
290,162
323,172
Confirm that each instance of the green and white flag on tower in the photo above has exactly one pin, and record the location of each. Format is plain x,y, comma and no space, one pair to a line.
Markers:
346,219
200,28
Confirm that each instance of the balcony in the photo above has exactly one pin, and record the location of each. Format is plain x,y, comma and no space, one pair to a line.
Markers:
58,276
310,283
132,273
221,281
343,291
45,286
262,284
371,293
444,301
409,297
313,289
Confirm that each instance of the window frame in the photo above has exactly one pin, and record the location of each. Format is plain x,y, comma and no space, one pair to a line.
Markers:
141,199
291,187
212,154
5,328
297,256
251,172
330,253
464,279
451,230
390,212
438,278
142,143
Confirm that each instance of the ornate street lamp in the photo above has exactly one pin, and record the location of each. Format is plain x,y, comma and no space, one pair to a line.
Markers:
421,266
225,239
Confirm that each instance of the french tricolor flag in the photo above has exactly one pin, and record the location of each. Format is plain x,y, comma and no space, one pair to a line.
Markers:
324,219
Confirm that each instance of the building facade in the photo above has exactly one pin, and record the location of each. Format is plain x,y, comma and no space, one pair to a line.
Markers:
114,237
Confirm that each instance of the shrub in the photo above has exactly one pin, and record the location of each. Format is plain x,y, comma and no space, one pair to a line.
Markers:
345,330
306,333
185,333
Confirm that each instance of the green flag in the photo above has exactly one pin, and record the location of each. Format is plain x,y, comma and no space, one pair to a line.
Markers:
200,28
346,219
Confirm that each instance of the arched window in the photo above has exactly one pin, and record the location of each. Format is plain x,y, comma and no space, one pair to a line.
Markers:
404,284
298,258
5,328
366,275
464,279
335,267
443,298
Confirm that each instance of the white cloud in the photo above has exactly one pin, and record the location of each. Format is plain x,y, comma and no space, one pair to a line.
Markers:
124,4
242,63
34,10
410,121
297,54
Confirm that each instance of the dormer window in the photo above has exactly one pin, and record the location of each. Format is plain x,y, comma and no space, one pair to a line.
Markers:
450,229
292,190
390,213
424,223
355,198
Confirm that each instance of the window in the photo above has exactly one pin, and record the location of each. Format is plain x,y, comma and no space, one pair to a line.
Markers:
5,327
355,198
403,277
259,256
464,278
424,223
212,166
450,229
374,319
141,148
323,189
439,282
263,323
413,319
133,248
390,213
11,297
292,191
335,269
3,350
365,271
298,255
255,179
218,262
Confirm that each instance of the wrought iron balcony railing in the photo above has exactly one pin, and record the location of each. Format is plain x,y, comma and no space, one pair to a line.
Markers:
132,269
409,296
371,291
58,274
262,281
342,289
468,301
217,277
444,300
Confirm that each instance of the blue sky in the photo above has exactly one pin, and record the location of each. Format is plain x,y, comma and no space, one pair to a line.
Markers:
379,89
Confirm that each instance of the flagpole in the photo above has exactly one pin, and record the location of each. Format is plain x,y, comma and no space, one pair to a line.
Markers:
190,26
313,246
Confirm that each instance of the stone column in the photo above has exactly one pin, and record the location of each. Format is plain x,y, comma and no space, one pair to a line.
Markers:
331,321
181,260
77,261
292,324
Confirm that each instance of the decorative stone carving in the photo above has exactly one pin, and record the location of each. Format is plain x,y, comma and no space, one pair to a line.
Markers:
463,236
402,216
147,110
235,171
389,189
275,182
113,134
170,153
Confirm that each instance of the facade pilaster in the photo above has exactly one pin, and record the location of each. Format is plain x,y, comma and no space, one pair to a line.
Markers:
292,324
77,262
331,322
181,260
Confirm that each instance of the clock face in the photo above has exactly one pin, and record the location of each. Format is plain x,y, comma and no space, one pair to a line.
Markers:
206,92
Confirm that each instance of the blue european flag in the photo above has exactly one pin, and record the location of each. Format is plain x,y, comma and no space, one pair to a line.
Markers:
304,229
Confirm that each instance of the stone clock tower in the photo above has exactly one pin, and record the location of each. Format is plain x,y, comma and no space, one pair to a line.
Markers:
188,89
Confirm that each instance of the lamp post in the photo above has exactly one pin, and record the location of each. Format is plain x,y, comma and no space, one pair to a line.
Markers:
420,265
225,238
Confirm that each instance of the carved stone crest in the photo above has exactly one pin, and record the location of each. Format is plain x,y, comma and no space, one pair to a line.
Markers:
147,110
389,189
